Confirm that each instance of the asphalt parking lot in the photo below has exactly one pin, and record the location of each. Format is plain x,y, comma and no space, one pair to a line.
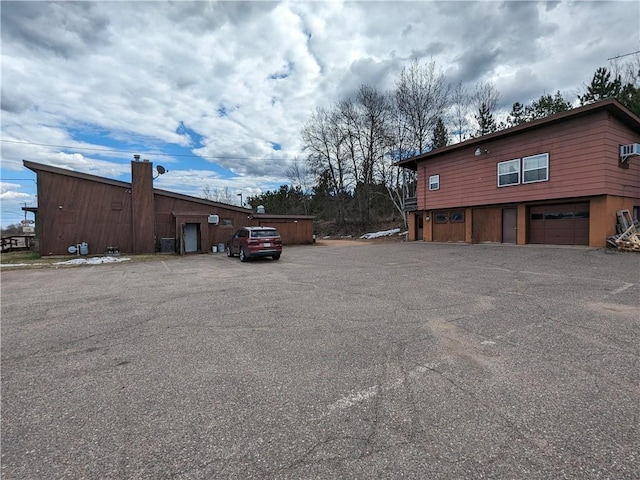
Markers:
407,360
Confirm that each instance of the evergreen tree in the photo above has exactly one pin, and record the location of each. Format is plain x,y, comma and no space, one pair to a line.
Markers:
440,135
601,87
605,85
287,200
543,107
486,122
630,97
517,115
546,105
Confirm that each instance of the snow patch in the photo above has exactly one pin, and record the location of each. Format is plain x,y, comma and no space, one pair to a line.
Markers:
384,233
93,261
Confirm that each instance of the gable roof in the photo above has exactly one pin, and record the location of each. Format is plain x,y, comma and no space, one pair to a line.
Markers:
609,105
40,167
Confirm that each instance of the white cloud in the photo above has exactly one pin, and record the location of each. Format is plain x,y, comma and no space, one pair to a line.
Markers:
8,191
244,77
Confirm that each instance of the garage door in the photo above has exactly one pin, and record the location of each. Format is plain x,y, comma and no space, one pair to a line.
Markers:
448,226
563,224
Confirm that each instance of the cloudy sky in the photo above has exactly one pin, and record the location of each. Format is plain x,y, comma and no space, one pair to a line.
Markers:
217,92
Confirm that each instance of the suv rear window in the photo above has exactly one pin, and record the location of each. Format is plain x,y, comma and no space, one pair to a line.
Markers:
264,233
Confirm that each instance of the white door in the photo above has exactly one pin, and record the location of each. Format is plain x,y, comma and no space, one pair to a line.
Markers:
190,237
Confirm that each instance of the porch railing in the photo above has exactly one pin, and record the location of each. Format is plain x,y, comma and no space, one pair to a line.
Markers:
410,204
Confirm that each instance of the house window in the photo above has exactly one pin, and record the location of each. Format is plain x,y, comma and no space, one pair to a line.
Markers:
535,168
509,173
434,182
226,222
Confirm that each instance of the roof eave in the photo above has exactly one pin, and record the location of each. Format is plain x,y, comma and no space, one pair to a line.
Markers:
610,105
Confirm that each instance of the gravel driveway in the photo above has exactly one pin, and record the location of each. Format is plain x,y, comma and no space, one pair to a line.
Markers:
389,360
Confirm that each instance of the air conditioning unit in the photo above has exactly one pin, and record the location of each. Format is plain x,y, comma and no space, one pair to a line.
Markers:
214,219
167,245
629,150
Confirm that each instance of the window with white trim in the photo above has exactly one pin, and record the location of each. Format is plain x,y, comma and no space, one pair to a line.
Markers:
434,182
509,173
535,168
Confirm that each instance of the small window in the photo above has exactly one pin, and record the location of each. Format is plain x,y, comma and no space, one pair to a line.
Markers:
226,222
434,182
537,216
456,217
441,218
535,168
509,173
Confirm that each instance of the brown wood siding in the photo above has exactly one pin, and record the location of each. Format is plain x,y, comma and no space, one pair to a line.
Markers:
76,207
142,207
583,161
213,234
449,231
292,232
78,210
487,225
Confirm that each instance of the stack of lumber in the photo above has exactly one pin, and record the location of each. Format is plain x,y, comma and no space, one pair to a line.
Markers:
629,239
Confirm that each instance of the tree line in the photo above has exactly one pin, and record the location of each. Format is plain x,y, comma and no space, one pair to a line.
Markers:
347,174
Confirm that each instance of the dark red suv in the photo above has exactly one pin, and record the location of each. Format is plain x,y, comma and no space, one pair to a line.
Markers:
255,242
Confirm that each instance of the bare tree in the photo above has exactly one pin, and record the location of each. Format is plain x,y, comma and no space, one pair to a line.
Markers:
460,111
485,100
324,142
399,182
301,176
372,140
349,123
217,195
421,97
628,70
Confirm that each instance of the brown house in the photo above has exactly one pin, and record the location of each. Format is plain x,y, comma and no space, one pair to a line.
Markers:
76,209
557,180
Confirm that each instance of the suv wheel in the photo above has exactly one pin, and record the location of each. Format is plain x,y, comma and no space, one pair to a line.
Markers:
243,257
276,256
229,254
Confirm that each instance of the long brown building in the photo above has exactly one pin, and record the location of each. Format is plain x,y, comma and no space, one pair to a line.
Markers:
557,180
103,215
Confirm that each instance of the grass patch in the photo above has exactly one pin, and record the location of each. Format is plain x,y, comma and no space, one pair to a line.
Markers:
21,257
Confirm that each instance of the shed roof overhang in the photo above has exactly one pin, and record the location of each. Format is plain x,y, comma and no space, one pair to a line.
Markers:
266,216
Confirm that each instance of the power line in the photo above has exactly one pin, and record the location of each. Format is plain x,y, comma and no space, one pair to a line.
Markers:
625,55
30,179
106,150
